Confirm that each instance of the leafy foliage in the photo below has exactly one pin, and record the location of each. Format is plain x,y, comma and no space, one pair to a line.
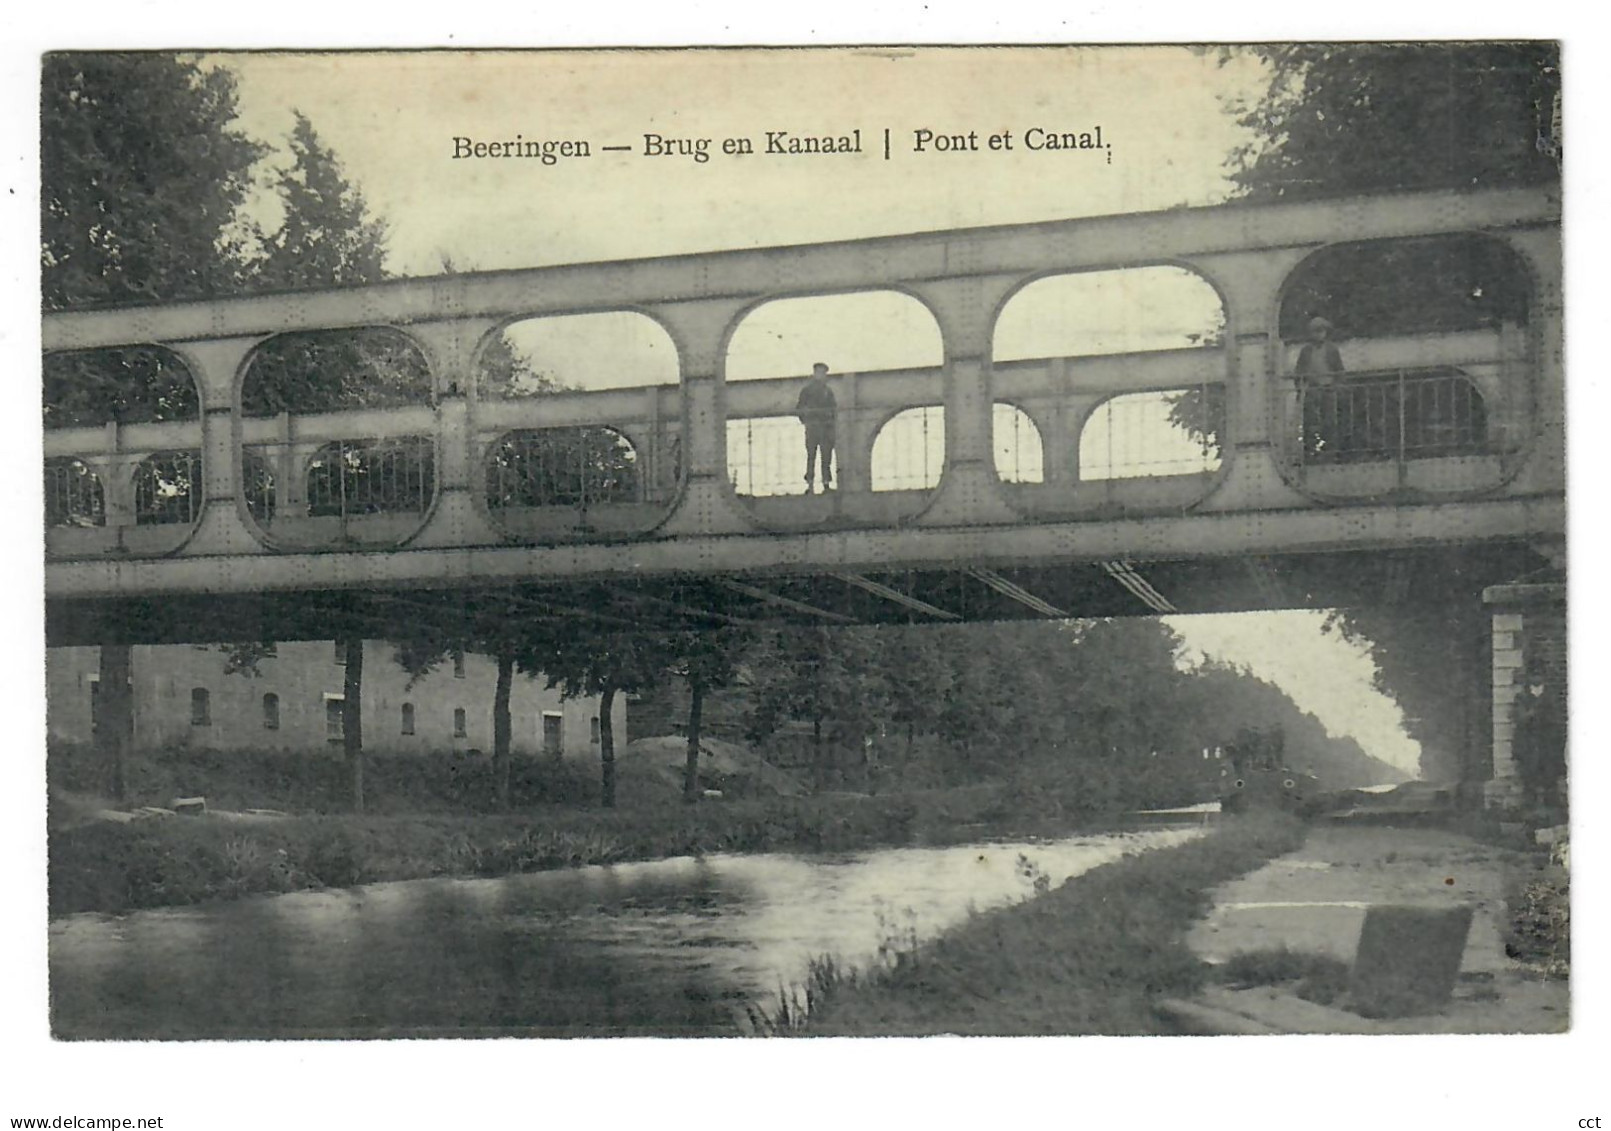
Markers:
1423,656
833,679
541,467
707,661
327,237
142,175
146,183
1385,288
134,385
327,371
1201,414
582,663
146,178
506,371
1079,715
570,467
1341,119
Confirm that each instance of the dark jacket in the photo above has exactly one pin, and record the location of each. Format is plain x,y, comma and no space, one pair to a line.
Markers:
816,406
1318,359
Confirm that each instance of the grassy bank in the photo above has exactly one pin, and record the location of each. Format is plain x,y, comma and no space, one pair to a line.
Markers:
1090,956
104,866
441,782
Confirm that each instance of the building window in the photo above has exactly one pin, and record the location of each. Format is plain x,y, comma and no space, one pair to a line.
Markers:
95,704
201,711
335,719
553,733
408,718
458,665
458,723
271,711
339,655
593,730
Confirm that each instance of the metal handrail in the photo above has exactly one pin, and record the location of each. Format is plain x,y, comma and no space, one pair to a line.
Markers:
1391,416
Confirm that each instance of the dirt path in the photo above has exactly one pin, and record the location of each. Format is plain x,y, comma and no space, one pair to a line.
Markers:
1314,901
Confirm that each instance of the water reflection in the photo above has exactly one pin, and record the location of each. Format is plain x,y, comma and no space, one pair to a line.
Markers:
668,948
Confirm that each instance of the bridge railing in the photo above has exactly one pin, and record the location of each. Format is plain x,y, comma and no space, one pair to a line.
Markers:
1454,419
1397,416
133,488
1105,434
362,476
578,463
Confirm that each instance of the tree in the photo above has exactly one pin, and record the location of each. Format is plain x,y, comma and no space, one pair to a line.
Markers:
352,716
1200,413
327,236
706,659
917,678
506,371
1429,659
581,662
501,629
132,385
1337,120
426,645
571,466
327,371
829,677
142,175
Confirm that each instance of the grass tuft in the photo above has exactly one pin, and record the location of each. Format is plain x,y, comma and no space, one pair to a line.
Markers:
1315,977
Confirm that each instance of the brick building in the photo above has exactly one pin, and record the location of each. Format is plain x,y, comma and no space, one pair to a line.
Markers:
183,697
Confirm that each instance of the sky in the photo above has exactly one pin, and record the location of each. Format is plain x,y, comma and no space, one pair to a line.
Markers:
393,120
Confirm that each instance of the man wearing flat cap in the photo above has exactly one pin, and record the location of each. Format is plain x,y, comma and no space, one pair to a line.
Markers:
817,409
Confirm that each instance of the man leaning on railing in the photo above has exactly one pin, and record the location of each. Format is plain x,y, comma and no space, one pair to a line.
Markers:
1319,362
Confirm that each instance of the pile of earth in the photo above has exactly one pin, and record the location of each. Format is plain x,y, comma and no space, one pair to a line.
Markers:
650,770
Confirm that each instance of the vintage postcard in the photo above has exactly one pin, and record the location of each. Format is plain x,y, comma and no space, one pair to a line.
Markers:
855,542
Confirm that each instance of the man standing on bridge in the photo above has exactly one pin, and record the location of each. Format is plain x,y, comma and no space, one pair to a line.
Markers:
817,409
1328,411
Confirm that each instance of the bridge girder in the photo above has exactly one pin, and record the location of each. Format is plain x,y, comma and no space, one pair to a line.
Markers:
912,550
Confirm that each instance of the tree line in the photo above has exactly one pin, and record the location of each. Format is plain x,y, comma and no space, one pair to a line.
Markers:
1111,711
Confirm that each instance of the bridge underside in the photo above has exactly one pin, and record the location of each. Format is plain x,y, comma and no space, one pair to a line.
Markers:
934,594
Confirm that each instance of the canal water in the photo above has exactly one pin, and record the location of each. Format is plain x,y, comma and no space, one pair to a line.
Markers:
665,948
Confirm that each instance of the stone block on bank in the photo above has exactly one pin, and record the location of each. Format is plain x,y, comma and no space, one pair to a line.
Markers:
1408,959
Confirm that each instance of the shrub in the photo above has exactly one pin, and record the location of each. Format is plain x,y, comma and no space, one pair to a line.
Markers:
1540,923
